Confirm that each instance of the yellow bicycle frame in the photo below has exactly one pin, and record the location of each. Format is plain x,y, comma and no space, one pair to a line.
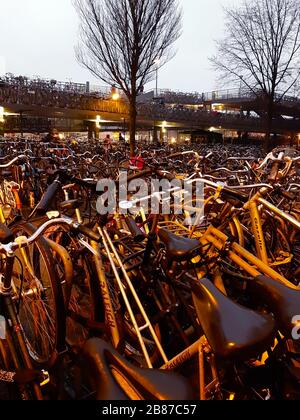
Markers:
256,223
240,256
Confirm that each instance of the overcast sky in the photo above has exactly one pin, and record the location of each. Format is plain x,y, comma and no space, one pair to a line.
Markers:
38,38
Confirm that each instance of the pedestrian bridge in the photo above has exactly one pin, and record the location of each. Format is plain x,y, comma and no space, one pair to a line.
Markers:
82,105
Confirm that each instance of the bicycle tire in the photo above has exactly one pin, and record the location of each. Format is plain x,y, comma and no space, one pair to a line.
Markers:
42,250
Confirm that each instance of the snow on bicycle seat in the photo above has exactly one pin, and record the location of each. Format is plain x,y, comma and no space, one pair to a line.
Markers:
114,378
283,301
178,248
232,331
6,235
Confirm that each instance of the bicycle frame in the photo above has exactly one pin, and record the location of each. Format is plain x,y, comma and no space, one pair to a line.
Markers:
110,249
240,256
200,348
256,222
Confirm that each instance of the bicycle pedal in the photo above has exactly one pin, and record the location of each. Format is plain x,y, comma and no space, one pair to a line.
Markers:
46,380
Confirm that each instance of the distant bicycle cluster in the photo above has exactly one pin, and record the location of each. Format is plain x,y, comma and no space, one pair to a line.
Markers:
198,305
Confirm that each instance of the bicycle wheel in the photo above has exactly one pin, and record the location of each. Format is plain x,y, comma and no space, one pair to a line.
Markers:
81,296
40,298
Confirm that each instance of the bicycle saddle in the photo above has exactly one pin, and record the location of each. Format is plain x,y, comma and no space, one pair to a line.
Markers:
232,331
70,204
178,248
116,379
6,235
282,300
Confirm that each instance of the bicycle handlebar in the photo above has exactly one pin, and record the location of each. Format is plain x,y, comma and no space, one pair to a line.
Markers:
243,171
191,152
23,242
281,158
15,160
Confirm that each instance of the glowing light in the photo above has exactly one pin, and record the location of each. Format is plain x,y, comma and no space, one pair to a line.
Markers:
1,114
98,121
173,140
164,124
115,96
61,136
218,105
212,129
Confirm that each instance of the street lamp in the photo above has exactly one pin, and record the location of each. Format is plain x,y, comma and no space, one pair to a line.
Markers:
98,121
115,94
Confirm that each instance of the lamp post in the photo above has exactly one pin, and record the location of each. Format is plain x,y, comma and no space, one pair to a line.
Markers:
157,62
124,128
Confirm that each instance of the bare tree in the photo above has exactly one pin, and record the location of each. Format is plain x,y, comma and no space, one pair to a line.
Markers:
122,42
261,51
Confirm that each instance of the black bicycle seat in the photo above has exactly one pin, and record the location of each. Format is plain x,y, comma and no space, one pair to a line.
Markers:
6,235
232,331
178,248
115,379
283,301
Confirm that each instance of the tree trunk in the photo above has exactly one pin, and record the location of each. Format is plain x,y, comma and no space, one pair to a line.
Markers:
132,124
267,147
269,121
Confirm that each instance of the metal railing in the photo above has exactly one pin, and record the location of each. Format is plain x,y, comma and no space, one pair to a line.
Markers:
53,94
52,85
194,98
211,118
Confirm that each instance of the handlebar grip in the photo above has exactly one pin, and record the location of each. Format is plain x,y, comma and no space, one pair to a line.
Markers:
47,199
162,174
274,173
89,233
135,231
